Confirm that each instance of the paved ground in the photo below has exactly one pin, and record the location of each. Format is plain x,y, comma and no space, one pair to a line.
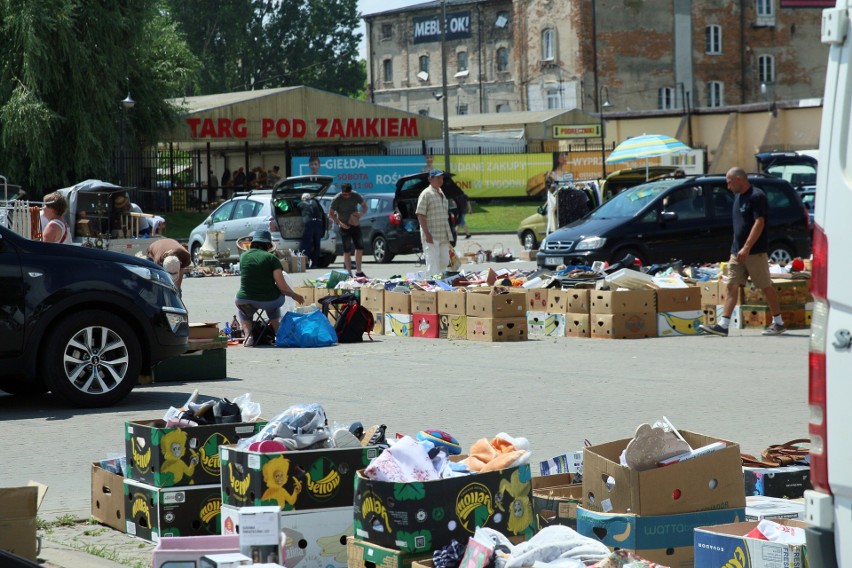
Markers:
558,392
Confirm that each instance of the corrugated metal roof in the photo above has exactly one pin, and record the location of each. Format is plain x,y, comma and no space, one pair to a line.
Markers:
210,102
505,119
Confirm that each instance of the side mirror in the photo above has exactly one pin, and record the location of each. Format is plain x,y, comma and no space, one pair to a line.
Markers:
208,221
542,209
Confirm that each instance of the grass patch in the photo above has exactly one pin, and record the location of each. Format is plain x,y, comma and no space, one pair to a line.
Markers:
499,216
180,223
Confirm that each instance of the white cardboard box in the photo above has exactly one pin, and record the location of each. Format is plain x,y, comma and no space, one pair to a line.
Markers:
761,507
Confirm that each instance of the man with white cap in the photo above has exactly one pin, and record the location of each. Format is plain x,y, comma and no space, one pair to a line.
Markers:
434,217
172,256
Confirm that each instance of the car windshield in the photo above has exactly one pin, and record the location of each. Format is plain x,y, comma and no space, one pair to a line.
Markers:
629,202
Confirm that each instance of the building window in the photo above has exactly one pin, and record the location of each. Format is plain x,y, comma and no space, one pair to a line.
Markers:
504,107
553,98
715,94
461,60
424,64
766,69
387,31
462,108
502,59
423,112
713,39
665,98
387,70
765,12
548,45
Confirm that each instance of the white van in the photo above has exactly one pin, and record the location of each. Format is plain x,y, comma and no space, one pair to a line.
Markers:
829,505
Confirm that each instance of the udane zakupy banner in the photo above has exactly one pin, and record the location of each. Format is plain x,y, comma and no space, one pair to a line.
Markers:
481,176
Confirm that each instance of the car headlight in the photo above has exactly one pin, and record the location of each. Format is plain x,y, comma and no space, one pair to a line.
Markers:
176,318
160,277
591,243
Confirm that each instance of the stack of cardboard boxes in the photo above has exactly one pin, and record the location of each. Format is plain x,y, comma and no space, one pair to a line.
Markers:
205,358
623,314
498,314
751,310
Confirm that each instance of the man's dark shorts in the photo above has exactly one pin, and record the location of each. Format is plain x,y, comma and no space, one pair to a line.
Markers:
350,236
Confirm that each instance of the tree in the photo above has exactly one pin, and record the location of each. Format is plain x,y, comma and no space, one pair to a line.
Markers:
66,66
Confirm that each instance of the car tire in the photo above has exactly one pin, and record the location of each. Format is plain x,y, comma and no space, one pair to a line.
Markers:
193,252
381,251
75,340
325,260
528,240
621,253
20,386
781,253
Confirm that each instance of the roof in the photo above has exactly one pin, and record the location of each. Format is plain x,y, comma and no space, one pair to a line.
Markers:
210,102
431,6
535,124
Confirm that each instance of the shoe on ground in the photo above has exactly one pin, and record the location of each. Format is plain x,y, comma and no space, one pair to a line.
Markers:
714,330
467,236
775,329
360,274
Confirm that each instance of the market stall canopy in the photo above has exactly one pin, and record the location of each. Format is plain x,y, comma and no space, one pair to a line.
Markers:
292,115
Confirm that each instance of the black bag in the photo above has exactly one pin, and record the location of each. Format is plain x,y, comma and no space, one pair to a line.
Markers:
353,322
261,336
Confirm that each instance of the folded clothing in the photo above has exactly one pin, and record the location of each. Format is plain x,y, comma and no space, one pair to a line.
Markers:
501,452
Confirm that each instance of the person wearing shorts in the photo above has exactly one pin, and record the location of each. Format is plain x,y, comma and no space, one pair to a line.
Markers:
344,210
748,253
262,285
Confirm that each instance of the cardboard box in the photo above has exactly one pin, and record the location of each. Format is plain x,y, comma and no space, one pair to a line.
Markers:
399,325
373,299
709,292
622,301
299,263
571,462
151,513
226,560
423,302
710,314
724,545
188,550
555,499
790,292
425,325
761,316
578,325
307,479
208,330
670,324
378,323
197,365
260,534
665,539
574,300
18,511
678,299
787,482
456,326
535,323
497,329
525,254
108,498
426,516
760,507
150,457
712,481
623,326
397,302
452,303
363,554
487,305
309,293
537,299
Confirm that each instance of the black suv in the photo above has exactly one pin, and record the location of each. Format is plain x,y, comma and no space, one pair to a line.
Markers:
81,322
680,219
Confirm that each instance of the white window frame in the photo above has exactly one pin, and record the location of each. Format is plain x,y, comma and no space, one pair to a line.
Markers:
766,69
553,98
713,39
715,94
548,44
421,66
502,64
765,11
387,70
666,98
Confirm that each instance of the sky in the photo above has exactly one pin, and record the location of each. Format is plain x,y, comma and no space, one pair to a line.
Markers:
373,6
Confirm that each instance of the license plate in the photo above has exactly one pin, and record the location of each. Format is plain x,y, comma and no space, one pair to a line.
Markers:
552,261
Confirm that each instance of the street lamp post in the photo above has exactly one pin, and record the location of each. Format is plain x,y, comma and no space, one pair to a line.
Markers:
126,104
444,85
602,105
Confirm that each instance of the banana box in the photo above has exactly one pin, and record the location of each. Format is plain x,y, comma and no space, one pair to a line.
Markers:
429,515
578,325
453,326
379,322
666,539
152,513
725,545
543,324
670,324
400,325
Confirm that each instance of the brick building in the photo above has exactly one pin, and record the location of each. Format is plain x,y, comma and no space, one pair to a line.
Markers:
513,55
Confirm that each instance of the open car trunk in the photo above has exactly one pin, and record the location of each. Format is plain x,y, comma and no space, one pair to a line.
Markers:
93,209
286,197
408,190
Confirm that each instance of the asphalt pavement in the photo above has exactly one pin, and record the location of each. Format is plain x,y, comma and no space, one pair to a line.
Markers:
557,392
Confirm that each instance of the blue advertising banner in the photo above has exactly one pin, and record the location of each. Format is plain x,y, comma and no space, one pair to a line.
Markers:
367,174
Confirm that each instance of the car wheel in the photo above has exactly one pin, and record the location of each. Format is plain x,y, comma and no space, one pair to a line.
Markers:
193,251
21,386
92,359
325,260
380,250
529,241
621,253
780,253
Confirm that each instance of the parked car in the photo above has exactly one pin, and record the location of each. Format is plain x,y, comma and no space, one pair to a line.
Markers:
408,190
382,230
686,219
533,229
799,168
809,201
83,323
273,209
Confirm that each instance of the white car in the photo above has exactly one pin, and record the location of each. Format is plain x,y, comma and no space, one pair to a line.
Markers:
274,210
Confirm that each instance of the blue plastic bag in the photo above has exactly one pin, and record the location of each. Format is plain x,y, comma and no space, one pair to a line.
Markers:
305,330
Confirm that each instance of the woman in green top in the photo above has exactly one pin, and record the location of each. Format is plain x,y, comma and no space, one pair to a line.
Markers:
262,285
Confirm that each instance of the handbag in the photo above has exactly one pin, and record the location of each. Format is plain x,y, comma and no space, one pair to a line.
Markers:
778,455
305,330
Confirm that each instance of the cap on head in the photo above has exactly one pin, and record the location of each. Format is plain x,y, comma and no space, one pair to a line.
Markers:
261,236
306,196
435,172
171,264
346,187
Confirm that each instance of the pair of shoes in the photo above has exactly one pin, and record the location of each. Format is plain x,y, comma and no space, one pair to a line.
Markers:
775,329
714,330
360,274
467,236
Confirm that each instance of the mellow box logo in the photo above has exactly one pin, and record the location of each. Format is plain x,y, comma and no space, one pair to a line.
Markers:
209,514
474,506
374,512
323,479
141,511
209,453
239,485
141,455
